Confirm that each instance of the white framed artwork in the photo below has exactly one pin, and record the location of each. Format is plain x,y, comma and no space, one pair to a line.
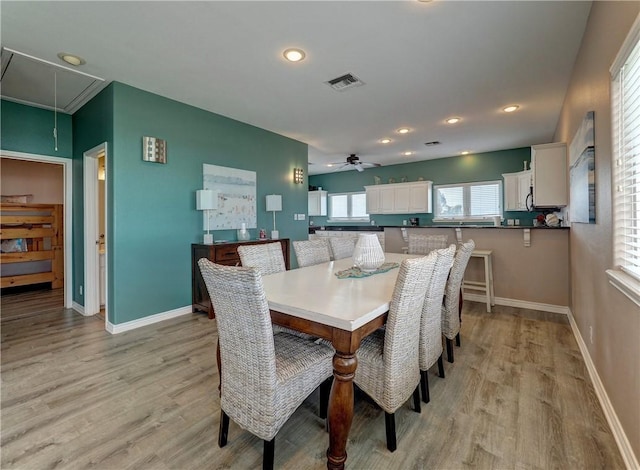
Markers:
236,191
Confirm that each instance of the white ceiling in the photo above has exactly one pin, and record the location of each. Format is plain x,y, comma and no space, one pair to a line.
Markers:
421,63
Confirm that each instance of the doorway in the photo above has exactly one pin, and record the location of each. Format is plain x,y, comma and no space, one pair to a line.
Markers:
66,164
95,230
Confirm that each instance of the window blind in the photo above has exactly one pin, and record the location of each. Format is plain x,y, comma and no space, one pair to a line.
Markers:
626,128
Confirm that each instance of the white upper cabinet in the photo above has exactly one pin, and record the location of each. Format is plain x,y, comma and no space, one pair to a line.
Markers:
318,203
516,189
399,198
549,165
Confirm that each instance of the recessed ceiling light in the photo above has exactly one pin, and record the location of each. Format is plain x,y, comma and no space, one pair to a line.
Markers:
406,154
465,152
329,164
403,130
385,141
510,109
453,120
294,55
71,59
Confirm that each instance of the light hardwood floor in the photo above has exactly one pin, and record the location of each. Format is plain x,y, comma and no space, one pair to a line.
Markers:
73,396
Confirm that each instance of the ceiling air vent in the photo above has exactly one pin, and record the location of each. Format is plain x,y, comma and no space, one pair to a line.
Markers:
432,143
345,82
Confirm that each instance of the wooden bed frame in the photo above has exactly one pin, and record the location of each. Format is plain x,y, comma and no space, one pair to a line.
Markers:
34,223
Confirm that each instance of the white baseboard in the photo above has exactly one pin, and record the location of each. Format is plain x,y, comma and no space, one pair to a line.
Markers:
518,303
151,319
619,435
78,308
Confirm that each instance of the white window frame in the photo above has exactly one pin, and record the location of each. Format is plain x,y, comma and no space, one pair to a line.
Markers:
467,202
625,191
349,218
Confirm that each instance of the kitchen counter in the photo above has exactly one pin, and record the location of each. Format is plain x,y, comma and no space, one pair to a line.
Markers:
380,228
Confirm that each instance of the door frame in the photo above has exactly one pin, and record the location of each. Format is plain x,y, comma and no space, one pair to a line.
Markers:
91,231
67,170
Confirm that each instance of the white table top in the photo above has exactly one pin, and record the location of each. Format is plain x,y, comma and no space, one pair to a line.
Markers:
315,293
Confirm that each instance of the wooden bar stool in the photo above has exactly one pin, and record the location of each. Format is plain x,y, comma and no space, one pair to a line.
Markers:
485,286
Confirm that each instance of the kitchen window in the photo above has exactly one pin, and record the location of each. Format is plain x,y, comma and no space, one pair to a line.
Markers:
348,207
468,202
625,104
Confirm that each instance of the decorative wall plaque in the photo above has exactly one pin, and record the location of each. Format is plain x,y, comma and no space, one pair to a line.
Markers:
154,150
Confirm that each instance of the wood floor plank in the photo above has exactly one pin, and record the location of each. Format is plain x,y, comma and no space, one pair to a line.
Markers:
73,396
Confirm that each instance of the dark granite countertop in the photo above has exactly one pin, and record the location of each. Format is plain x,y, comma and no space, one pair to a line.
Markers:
380,228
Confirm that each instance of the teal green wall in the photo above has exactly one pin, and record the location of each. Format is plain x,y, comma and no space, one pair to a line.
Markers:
30,130
92,126
464,169
152,215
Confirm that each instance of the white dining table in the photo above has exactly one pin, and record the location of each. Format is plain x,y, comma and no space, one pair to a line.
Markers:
314,300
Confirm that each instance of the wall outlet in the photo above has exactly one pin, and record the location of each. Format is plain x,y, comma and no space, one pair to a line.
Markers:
80,290
591,334
517,221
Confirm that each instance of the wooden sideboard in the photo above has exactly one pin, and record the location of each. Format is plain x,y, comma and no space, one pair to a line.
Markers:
221,253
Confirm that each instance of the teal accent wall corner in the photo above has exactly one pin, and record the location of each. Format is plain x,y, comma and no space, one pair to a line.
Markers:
30,130
92,126
486,166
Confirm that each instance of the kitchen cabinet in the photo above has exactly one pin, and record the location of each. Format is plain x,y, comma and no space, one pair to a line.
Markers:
516,189
549,165
318,203
399,198
220,253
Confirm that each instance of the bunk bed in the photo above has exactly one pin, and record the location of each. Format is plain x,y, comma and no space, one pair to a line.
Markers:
32,241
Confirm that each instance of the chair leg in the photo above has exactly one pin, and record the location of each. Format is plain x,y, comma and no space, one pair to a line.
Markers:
458,339
441,366
449,349
268,454
416,400
424,384
325,391
390,426
224,429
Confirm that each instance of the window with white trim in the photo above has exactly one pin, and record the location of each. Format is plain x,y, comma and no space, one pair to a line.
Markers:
625,104
348,207
468,202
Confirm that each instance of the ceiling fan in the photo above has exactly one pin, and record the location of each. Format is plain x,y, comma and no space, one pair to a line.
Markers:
354,161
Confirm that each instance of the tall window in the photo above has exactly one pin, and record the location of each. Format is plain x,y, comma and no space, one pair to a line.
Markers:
625,105
468,202
348,207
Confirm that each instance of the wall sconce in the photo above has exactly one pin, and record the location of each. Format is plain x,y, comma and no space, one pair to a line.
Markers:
298,175
274,204
206,200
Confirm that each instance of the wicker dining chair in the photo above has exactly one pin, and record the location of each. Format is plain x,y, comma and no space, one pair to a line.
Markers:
268,259
310,252
431,322
388,366
342,247
425,244
265,377
450,308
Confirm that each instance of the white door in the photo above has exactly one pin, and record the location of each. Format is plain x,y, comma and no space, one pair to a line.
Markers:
92,240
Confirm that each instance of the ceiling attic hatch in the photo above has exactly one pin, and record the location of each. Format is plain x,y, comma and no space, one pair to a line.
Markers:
36,82
345,82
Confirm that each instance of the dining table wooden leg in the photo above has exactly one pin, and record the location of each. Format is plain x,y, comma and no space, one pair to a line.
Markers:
340,408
